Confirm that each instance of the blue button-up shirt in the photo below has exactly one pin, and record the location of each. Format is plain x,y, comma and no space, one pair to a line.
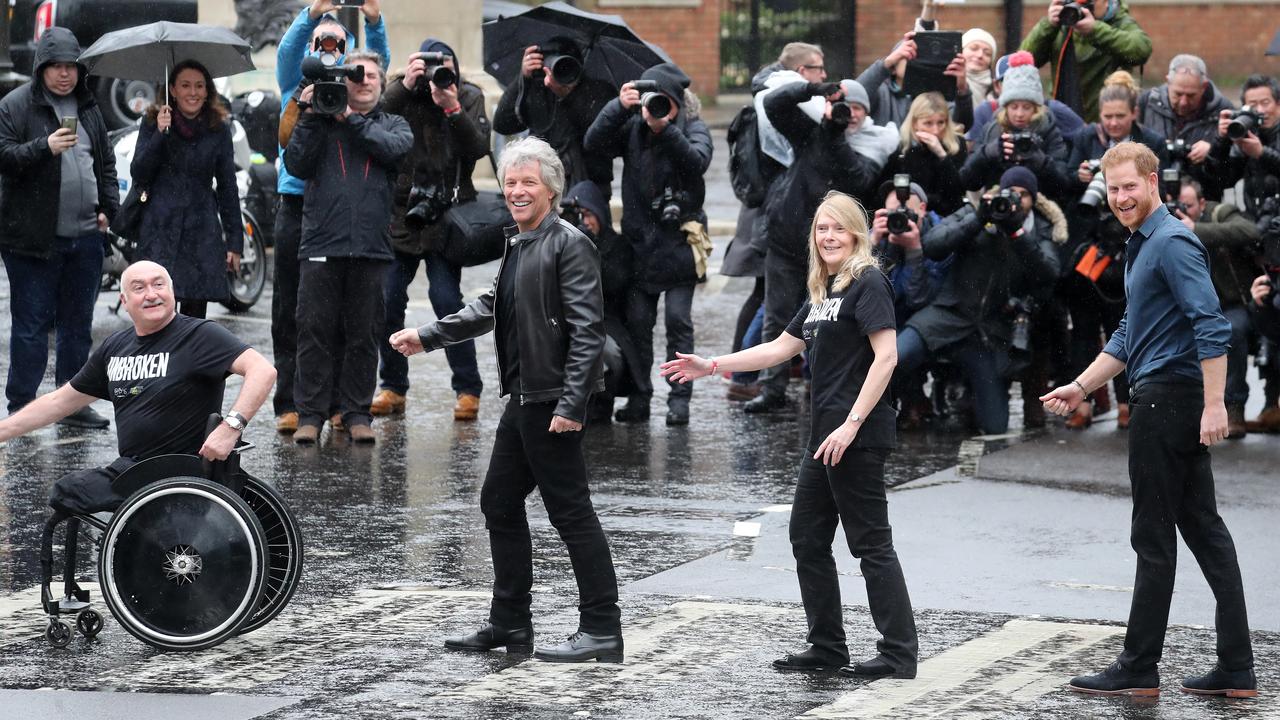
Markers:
1172,319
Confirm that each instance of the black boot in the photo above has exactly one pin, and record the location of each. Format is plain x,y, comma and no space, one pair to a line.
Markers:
1231,683
767,401
517,640
877,667
1117,680
635,411
811,660
581,647
678,411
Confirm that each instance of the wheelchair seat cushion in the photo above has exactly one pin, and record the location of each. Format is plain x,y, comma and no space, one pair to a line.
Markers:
84,492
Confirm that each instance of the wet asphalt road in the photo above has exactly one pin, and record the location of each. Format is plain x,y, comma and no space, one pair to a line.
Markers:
1018,566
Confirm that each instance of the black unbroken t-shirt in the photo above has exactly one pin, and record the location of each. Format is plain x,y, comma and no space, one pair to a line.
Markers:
163,385
835,334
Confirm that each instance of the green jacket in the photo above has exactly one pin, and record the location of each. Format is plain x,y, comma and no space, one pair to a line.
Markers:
1114,44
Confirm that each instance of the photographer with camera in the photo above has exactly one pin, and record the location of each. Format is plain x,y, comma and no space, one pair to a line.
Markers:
1068,122
1266,307
1185,110
1085,47
825,160
450,134
554,99
349,158
1023,133
1004,262
665,149
889,101
315,33
1232,240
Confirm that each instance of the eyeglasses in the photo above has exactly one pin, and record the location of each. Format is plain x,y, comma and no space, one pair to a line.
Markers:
814,67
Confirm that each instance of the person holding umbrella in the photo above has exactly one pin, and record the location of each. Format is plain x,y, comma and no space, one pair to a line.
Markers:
847,328
188,226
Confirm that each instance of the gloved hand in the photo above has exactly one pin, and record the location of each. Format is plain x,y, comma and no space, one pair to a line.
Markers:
1012,223
826,89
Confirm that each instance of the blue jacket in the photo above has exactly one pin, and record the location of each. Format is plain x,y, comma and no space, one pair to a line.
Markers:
1172,320
289,54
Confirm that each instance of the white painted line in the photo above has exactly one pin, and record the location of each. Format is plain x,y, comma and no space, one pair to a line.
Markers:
776,509
1089,586
1013,663
746,529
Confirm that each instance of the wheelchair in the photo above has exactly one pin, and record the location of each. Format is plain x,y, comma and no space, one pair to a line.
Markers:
197,553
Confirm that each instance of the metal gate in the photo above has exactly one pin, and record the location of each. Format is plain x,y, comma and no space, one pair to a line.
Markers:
753,32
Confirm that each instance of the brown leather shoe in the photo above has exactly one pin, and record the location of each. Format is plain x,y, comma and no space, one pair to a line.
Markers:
335,422
387,402
1082,418
467,407
1122,420
1236,428
1101,401
741,392
1268,421
287,423
363,434
307,434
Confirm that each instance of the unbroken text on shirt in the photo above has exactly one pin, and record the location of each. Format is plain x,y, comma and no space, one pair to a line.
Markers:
828,310
138,367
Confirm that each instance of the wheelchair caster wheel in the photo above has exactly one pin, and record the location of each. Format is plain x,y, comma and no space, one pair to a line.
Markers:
58,633
89,623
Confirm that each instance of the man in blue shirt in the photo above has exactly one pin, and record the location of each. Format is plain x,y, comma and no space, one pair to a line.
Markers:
1173,341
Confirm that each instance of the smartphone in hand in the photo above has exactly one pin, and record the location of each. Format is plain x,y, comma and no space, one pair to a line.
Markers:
69,123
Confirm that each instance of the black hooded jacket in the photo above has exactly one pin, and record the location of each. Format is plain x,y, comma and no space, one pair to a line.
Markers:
32,175
617,257
675,159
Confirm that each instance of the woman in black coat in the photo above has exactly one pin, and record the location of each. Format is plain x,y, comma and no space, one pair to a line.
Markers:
932,153
190,228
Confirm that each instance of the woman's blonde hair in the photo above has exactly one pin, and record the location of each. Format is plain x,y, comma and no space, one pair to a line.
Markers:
848,214
1002,116
1120,85
926,105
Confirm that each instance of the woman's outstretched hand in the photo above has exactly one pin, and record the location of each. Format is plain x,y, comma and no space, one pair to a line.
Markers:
685,368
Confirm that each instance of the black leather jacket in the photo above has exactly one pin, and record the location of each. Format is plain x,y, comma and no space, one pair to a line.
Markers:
560,308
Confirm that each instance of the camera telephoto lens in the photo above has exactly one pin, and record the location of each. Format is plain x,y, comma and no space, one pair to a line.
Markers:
899,222
656,103
1243,121
565,69
1070,15
841,114
329,98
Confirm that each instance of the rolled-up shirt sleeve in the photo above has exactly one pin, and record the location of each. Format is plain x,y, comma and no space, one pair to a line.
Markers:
1116,346
1185,266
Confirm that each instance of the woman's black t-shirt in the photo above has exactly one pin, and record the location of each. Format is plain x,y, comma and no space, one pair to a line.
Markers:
164,385
835,335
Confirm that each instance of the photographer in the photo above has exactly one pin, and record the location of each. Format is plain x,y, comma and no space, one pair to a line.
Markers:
560,110
1004,259
1185,110
315,32
825,160
1068,122
1232,240
1266,308
1023,133
1084,48
889,101
450,133
349,161
664,157
1248,145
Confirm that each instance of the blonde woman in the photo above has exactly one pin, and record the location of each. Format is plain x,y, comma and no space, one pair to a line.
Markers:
847,326
931,152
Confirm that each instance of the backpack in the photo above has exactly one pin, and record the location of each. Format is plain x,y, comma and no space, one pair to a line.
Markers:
751,171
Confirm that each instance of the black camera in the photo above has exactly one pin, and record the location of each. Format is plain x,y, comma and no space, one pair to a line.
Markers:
1024,142
1178,151
900,218
1171,184
652,98
330,94
1000,206
1244,121
562,60
571,212
1073,12
437,72
427,204
841,114
1021,309
669,207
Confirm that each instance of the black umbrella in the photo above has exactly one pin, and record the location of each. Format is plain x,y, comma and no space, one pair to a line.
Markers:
148,52
610,50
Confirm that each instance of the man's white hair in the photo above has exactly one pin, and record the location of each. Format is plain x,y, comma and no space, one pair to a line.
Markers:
1188,65
529,150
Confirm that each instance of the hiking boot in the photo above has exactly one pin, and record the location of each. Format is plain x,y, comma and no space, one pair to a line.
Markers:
387,402
306,434
678,411
635,411
287,423
466,408
741,392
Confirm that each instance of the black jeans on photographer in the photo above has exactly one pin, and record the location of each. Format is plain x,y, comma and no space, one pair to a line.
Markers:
1173,491
287,235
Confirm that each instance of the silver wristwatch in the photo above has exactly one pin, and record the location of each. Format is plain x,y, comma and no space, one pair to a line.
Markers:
855,417
236,421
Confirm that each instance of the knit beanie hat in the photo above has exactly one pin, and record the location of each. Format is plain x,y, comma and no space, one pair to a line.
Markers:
855,94
1021,177
1022,81
981,35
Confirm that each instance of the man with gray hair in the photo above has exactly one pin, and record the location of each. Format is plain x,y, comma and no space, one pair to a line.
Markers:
1185,111
546,309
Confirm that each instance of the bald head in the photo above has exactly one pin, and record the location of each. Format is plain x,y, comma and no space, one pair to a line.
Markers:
146,292
144,268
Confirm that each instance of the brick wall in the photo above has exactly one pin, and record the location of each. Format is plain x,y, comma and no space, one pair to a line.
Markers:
689,32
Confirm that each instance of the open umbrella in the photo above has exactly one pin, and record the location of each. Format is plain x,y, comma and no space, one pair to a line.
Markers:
611,50
148,52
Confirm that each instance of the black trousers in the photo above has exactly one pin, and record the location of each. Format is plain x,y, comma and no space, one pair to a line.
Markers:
642,315
340,319
1172,481
526,456
851,493
287,235
784,292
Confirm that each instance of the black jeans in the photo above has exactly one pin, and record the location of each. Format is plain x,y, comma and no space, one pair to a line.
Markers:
1172,481
784,293
340,318
287,236
527,456
642,315
851,493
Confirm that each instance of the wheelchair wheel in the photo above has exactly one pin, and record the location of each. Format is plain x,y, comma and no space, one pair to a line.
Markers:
89,623
183,564
58,633
284,549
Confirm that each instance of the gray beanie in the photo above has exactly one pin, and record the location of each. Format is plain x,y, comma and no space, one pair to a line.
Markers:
855,94
1022,81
